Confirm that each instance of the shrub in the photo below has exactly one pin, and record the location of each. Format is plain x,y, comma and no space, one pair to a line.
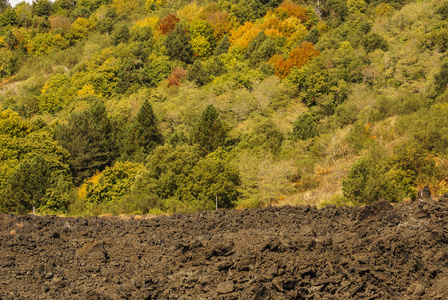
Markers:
373,41
305,127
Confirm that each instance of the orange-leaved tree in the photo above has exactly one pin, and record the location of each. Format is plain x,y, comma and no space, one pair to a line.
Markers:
244,34
297,58
168,23
293,10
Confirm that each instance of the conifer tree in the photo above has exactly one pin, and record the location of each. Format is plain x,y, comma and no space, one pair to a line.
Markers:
178,44
261,48
223,46
87,136
147,129
209,132
197,73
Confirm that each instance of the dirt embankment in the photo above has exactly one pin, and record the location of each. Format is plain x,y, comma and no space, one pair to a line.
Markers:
377,252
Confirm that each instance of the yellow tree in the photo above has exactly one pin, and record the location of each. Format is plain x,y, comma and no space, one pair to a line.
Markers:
244,34
125,6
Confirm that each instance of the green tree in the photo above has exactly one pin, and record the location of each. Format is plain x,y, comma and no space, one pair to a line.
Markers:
143,35
4,4
105,25
202,38
178,46
113,183
27,185
261,48
305,127
197,73
209,131
247,10
211,177
87,136
223,46
368,181
144,134
312,36
9,17
167,169
373,41
42,8
56,93
265,136
121,35
441,79
8,63
30,163
354,186
156,70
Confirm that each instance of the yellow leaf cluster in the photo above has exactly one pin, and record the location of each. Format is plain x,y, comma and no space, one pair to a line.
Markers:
125,6
190,12
244,34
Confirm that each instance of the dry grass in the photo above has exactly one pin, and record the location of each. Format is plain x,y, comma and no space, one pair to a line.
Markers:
329,184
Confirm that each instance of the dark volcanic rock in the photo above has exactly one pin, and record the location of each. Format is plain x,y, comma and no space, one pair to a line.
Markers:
373,252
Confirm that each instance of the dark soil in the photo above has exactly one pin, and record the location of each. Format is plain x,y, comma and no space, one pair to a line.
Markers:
376,252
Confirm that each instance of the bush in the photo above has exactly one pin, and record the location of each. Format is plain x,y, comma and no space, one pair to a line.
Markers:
373,41
305,127
112,184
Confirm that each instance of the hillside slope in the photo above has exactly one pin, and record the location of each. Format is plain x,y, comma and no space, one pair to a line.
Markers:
137,107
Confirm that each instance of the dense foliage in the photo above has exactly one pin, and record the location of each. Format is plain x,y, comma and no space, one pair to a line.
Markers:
113,106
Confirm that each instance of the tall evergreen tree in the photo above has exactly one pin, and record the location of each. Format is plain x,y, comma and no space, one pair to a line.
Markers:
261,48
147,128
223,46
178,44
209,132
87,136
142,135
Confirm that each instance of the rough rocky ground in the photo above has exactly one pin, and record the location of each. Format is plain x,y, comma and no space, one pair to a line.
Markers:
376,252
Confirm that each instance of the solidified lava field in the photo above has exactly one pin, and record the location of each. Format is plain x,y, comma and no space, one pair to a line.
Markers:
372,252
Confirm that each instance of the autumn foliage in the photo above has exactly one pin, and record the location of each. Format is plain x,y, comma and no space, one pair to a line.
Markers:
297,58
168,23
175,78
293,10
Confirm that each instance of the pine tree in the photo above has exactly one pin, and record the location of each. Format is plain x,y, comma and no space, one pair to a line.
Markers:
178,44
147,129
209,132
197,73
261,48
223,46
87,136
